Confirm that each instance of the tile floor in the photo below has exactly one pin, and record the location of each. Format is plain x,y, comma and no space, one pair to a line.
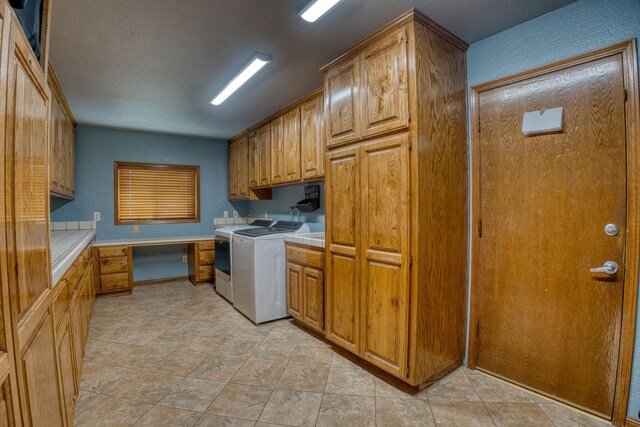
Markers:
179,355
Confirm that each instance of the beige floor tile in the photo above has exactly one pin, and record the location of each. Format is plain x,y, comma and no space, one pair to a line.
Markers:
180,363
193,394
403,412
169,340
493,390
161,416
106,379
351,380
149,387
240,401
455,387
292,408
88,400
210,420
200,344
144,357
463,414
110,353
312,355
251,333
352,411
518,414
235,348
304,378
395,390
112,412
259,373
217,368
563,416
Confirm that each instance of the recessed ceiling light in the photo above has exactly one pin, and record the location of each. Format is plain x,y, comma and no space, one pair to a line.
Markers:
316,9
255,65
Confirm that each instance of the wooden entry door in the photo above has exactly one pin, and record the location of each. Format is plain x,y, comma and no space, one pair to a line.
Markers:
544,320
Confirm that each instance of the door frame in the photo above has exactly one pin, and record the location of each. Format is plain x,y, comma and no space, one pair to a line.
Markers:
632,121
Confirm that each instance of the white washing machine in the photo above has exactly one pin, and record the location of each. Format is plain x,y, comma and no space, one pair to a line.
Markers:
224,258
259,270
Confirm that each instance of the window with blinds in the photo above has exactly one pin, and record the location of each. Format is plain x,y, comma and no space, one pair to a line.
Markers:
154,193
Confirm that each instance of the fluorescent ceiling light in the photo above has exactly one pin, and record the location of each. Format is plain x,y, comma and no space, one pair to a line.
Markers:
255,65
316,9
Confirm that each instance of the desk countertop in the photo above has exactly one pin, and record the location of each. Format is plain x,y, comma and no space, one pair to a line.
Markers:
153,241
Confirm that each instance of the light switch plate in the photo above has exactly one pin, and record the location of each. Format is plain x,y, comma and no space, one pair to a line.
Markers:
235,214
136,229
96,216
184,258
226,214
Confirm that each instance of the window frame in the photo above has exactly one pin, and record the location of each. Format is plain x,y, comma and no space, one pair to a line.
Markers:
159,167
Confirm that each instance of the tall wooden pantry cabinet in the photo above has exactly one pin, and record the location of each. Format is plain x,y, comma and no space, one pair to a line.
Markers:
396,198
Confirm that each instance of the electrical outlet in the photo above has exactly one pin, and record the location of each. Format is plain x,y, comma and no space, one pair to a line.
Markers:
184,258
226,214
235,214
136,229
96,216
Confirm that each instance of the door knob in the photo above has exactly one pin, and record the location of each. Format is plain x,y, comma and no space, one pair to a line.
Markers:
608,267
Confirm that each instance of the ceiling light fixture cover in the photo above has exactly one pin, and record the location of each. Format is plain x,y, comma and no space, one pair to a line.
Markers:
256,64
316,9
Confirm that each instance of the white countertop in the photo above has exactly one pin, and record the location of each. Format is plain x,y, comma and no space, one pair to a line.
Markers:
66,246
150,241
309,239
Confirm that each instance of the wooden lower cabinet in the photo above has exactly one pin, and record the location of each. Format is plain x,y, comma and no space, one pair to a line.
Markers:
73,299
115,269
305,285
201,258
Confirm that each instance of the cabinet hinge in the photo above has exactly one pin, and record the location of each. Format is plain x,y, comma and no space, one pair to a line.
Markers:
477,328
479,126
479,228
410,260
626,95
410,143
408,370
406,36
409,115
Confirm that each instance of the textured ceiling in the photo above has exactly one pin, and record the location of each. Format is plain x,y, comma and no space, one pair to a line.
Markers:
155,64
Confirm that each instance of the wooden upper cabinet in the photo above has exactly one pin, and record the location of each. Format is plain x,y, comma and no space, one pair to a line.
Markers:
264,150
254,160
292,145
61,141
243,170
233,170
277,151
342,118
312,138
384,99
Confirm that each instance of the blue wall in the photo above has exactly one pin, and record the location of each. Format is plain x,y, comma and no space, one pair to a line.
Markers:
98,148
572,30
279,207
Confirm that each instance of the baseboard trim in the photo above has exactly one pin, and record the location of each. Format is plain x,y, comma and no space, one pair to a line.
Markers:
159,281
632,422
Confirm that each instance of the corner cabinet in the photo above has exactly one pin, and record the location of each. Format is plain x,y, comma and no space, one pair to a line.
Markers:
62,131
396,199
242,155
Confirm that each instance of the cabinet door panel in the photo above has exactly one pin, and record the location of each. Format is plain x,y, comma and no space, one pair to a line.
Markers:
384,96
75,322
254,161
292,146
342,269
264,150
277,151
385,246
294,290
242,179
313,286
341,103
312,138
67,370
233,171
39,369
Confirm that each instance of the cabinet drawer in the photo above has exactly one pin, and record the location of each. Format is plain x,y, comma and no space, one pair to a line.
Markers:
206,272
73,277
113,251
114,282
114,265
306,256
205,257
205,246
